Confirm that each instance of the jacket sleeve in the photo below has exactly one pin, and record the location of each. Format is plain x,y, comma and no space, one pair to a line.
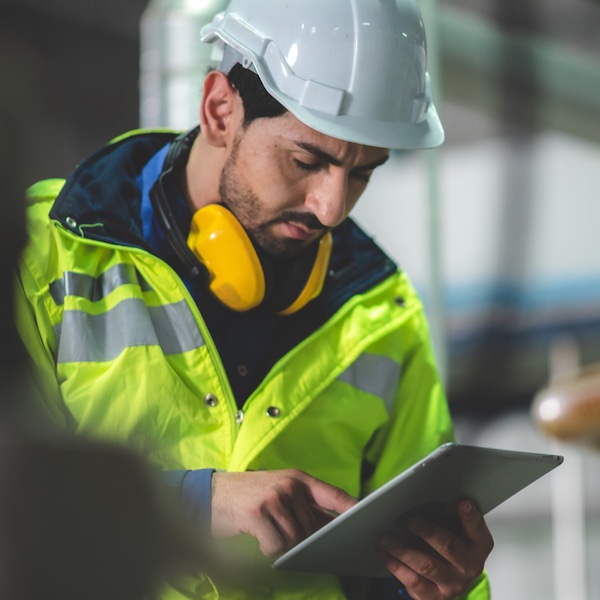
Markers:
42,370
196,498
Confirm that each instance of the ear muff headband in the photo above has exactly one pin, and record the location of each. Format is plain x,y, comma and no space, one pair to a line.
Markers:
176,158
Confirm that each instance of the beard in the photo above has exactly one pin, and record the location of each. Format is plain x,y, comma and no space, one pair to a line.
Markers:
237,196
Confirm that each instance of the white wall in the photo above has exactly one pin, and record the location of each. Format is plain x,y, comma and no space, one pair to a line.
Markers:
521,220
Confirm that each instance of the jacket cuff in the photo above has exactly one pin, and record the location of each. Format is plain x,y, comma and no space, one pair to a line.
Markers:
171,483
196,497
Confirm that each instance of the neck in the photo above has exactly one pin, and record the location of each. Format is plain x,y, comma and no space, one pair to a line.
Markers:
202,174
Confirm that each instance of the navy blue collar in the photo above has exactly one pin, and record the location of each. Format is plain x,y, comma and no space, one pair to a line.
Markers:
152,231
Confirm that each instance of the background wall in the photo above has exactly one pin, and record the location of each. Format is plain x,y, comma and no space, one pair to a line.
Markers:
520,252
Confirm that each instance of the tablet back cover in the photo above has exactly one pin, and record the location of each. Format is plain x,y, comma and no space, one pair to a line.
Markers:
432,487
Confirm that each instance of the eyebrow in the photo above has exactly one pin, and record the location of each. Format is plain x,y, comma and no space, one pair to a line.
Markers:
336,162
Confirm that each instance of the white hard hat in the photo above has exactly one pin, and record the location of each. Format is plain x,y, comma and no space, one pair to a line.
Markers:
352,69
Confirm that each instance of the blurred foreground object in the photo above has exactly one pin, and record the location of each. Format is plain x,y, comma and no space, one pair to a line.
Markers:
173,61
81,520
569,408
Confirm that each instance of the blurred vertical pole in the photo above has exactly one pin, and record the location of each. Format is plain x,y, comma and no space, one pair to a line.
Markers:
568,503
520,99
430,10
173,61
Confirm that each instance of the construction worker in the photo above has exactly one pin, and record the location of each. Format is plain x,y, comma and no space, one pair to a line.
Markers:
206,299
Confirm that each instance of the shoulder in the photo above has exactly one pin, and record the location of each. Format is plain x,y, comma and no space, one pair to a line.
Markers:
44,191
40,198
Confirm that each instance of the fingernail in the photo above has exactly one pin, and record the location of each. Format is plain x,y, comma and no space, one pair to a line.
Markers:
467,508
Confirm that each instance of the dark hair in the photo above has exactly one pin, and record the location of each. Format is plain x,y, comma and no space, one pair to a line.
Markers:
257,102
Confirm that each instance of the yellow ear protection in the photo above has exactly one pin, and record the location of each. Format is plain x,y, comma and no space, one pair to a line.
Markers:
219,249
236,274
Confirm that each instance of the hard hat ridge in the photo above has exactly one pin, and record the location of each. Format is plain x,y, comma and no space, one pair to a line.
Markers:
232,57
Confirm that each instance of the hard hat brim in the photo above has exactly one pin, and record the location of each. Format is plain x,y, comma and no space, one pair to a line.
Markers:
429,133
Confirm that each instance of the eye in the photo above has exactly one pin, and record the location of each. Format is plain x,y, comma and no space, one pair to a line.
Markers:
362,176
311,167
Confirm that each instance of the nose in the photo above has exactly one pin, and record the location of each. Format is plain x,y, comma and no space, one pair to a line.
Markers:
328,199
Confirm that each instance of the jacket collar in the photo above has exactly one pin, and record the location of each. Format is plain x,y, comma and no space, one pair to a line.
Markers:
101,199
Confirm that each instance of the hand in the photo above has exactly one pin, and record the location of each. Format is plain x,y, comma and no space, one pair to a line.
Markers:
459,560
278,508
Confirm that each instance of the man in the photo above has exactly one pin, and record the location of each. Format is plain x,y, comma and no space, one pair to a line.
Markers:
207,299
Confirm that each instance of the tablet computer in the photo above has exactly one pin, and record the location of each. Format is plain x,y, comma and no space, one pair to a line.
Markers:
432,488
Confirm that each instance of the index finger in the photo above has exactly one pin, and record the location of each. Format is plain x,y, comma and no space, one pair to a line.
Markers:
329,497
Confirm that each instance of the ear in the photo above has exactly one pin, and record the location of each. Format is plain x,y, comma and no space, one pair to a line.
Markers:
219,110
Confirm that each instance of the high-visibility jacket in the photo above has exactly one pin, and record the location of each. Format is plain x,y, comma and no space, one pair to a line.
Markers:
123,353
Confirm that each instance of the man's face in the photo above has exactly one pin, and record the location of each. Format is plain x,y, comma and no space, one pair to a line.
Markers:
288,184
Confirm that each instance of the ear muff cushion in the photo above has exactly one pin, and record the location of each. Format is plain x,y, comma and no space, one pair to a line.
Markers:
220,242
305,278
286,278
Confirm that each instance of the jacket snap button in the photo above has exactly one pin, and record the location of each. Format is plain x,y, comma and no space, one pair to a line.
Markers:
71,222
273,411
400,301
239,417
211,400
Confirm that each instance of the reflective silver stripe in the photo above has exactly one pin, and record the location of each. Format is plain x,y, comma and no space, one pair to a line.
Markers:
374,374
83,337
96,288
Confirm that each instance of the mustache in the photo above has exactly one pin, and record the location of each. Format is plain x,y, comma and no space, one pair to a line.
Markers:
309,220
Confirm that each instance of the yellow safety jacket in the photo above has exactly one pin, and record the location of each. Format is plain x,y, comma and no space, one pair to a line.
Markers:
123,353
